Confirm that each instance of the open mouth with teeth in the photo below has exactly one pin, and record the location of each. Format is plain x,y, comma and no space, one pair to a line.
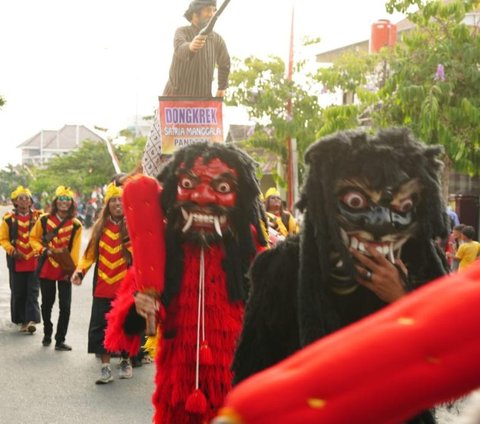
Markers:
388,246
384,248
203,219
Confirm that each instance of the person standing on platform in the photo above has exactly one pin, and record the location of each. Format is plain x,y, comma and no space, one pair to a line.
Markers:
196,56
191,72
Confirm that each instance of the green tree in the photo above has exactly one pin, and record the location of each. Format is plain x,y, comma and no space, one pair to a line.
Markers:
434,86
130,153
11,177
261,86
430,82
351,72
83,169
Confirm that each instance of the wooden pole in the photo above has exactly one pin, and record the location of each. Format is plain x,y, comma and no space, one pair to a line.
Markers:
290,164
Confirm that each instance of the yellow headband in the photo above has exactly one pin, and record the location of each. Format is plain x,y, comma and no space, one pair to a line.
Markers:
19,191
272,191
64,191
112,191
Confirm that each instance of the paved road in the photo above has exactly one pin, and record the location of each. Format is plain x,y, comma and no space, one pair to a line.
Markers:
41,385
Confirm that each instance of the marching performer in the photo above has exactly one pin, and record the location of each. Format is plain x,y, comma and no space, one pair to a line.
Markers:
21,260
109,248
55,235
191,254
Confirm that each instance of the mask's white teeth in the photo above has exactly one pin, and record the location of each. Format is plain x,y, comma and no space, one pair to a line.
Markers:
354,243
390,254
188,224
185,214
380,250
361,248
216,224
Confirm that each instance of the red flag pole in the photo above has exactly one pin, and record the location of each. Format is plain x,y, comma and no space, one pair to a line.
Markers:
290,182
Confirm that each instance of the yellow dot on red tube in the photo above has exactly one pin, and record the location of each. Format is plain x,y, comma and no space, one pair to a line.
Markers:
406,321
316,403
228,415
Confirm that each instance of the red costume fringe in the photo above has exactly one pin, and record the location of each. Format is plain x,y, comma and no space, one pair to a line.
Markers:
176,358
115,338
177,347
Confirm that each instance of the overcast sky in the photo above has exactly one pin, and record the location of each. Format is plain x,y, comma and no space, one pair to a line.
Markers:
101,62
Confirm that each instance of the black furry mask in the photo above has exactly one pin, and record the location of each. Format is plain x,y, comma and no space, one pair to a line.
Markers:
382,189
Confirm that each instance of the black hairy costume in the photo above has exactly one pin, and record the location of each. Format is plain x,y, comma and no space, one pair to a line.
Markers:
295,295
239,242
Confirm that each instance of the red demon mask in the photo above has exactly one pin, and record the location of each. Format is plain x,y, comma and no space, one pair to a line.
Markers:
206,194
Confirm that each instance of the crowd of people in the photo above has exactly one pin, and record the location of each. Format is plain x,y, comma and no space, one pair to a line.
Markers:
218,278
43,257
216,222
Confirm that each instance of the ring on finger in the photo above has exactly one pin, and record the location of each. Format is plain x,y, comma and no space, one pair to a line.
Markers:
368,276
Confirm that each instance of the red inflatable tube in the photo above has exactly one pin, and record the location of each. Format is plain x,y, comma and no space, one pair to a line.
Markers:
145,222
420,351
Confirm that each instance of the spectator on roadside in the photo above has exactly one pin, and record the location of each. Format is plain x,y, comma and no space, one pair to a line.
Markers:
469,250
453,243
452,215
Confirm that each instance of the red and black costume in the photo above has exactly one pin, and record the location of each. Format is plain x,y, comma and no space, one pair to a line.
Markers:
22,263
210,201
112,258
68,234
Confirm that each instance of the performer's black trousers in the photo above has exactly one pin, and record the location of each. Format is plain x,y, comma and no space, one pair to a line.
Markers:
98,324
12,302
48,290
24,298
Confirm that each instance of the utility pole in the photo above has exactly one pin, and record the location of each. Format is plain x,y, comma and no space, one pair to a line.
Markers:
290,150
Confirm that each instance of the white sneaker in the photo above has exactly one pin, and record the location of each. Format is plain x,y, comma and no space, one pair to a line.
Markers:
105,375
125,370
